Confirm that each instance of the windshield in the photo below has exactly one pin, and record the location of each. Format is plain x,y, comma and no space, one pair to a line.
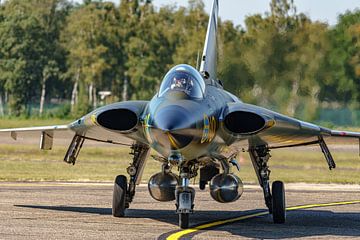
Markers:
183,78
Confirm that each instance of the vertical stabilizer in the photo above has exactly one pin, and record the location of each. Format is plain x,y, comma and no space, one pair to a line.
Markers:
209,56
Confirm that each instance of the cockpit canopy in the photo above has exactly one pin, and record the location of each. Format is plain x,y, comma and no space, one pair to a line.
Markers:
183,78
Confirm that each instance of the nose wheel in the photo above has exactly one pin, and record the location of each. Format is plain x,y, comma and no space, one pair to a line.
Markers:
184,220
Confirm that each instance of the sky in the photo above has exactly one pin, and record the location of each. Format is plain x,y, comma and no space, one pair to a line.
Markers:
237,10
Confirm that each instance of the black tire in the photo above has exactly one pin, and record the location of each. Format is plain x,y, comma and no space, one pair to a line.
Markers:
119,196
278,202
202,185
184,220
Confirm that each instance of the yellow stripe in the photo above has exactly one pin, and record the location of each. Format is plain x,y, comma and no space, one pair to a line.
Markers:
322,205
172,141
180,234
93,119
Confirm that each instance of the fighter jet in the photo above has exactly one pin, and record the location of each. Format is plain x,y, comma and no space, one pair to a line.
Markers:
190,122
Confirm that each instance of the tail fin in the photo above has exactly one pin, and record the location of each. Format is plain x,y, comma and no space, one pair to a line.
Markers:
209,56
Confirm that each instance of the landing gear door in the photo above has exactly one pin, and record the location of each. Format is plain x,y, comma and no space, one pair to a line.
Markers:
46,140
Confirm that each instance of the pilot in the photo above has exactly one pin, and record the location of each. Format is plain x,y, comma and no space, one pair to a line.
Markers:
182,82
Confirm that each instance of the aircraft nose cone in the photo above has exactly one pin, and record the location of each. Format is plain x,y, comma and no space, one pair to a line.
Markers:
172,123
172,118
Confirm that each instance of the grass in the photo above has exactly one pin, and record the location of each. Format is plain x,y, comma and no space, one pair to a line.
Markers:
103,164
27,163
22,122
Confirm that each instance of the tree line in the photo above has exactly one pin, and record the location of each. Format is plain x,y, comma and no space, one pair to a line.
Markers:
64,52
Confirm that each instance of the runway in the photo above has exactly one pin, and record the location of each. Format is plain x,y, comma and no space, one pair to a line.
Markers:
83,211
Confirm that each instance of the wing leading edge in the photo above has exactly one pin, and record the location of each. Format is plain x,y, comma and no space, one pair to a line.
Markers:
277,131
345,134
259,128
99,125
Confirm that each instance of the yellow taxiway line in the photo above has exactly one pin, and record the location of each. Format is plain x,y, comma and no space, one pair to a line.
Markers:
182,233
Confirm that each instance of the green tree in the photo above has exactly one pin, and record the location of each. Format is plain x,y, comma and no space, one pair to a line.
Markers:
190,27
94,47
279,61
264,49
307,68
51,15
344,84
148,46
21,44
233,67
29,44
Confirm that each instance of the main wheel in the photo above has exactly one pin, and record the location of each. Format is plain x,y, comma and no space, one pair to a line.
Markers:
278,202
119,196
184,220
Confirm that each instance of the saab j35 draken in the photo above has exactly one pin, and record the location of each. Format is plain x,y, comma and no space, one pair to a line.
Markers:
190,122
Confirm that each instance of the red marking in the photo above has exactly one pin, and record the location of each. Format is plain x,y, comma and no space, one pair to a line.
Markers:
343,133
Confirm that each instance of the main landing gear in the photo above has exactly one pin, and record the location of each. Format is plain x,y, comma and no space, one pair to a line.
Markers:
124,192
274,200
119,203
278,202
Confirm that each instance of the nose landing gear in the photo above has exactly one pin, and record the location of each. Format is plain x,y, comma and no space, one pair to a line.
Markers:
184,204
185,196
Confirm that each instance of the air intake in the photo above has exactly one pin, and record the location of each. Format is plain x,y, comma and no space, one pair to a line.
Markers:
244,123
118,119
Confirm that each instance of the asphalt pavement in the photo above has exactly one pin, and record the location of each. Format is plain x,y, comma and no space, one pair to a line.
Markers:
83,211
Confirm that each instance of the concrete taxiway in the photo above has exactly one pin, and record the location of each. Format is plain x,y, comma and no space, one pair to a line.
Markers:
83,211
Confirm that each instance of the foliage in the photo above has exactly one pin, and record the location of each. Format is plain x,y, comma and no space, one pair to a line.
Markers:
29,48
344,83
93,43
